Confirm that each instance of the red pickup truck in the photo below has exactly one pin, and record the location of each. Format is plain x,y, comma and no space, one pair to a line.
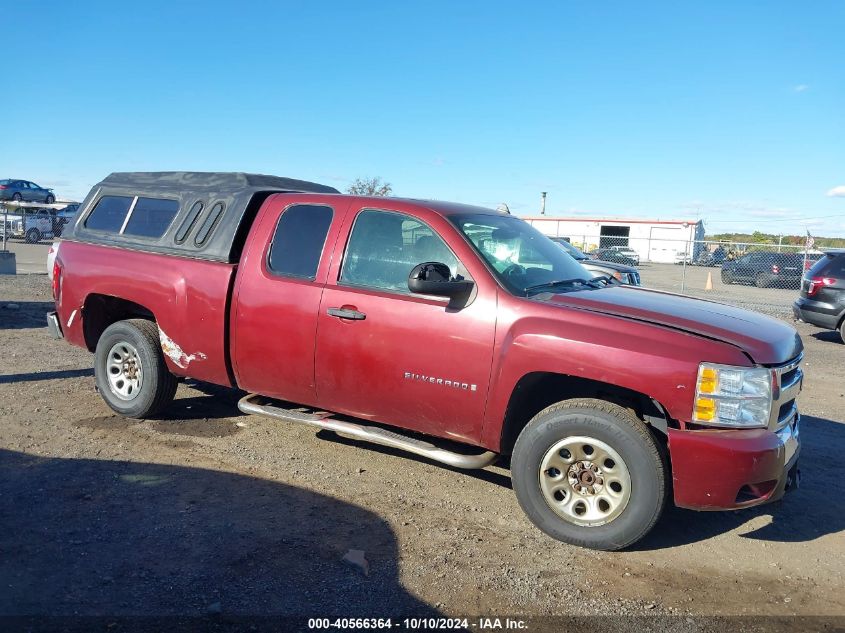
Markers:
451,331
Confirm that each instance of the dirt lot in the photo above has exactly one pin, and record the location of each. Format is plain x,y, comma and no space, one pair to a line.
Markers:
211,511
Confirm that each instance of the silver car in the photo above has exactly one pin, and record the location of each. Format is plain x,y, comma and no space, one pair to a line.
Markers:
25,191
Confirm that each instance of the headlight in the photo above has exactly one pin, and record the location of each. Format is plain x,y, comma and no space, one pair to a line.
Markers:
732,396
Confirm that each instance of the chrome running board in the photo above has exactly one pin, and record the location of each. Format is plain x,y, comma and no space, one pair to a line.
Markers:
376,435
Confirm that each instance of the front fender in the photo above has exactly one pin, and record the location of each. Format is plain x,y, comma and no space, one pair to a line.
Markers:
657,361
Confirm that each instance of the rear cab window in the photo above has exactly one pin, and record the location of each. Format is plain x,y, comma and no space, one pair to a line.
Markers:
299,240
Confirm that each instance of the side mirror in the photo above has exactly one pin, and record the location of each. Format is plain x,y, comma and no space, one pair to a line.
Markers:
434,278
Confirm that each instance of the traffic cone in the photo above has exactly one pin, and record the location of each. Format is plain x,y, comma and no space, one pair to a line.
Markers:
709,284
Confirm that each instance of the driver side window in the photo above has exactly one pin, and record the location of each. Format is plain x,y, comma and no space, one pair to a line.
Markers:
385,246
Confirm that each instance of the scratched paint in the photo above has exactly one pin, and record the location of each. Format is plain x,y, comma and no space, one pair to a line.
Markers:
72,317
172,350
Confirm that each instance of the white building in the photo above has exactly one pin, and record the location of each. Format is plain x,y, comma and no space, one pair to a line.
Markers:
654,240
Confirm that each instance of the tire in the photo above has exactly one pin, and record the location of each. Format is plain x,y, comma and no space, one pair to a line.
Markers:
50,199
762,280
142,386
32,236
634,481
727,277
842,330
17,197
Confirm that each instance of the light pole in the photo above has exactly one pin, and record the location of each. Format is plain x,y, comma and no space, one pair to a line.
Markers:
542,203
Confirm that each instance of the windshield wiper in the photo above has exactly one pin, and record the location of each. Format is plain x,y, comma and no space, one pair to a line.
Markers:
555,284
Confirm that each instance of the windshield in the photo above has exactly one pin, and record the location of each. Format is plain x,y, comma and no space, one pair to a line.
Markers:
525,260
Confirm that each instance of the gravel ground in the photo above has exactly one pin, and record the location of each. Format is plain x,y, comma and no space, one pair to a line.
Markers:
210,511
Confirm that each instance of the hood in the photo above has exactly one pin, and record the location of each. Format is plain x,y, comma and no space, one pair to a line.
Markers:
600,263
766,340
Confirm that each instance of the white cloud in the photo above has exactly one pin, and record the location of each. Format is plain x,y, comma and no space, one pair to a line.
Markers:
800,87
837,192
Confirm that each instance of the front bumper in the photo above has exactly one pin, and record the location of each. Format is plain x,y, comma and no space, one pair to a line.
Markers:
731,469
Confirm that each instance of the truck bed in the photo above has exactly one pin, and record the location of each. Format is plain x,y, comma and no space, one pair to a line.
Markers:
190,298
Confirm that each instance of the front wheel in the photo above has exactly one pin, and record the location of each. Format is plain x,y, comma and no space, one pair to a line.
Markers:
50,199
130,371
589,473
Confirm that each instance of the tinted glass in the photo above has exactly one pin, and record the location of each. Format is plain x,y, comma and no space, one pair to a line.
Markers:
151,217
384,247
829,266
209,224
188,222
109,214
299,240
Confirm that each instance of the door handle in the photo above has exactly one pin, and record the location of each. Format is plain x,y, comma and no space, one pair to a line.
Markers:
345,313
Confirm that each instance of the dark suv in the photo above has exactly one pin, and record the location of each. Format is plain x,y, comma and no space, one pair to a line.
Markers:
765,269
822,300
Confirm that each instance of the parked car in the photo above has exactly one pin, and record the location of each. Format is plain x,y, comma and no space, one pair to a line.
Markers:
63,218
612,255
765,270
620,272
25,191
386,319
822,300
628,252
712,258
32,225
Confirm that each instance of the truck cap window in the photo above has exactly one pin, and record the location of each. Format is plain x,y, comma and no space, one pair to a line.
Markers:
522,258
299,240
385,246
151,217
208,224
132,215
109,214
188,222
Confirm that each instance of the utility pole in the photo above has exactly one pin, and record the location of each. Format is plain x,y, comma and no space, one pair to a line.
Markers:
543,203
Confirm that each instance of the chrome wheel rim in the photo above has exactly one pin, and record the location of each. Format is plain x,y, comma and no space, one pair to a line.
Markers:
124,371
585,481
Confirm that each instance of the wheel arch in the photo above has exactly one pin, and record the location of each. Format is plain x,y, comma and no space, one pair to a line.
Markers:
102,310
537,390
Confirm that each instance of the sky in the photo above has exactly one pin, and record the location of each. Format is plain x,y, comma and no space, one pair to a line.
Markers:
730,112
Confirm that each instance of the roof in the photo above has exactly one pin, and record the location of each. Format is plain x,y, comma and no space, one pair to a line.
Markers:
218,182
612,220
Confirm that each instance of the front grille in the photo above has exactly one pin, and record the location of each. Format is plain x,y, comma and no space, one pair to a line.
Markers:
788,382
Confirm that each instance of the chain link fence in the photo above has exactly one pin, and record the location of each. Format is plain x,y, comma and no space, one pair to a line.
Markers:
763,277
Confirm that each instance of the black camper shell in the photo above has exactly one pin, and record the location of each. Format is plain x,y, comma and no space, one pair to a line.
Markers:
213,211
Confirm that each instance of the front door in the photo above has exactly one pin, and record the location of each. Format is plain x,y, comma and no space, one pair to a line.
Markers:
388,355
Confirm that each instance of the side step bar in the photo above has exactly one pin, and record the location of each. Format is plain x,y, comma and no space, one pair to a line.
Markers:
377,435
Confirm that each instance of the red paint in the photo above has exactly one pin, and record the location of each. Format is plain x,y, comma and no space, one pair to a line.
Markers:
187,297
395,365
709,468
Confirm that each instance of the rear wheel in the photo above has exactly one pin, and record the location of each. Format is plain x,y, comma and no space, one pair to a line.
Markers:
33,236
588,472
17,197
727,277
842,330
762,280
130,370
